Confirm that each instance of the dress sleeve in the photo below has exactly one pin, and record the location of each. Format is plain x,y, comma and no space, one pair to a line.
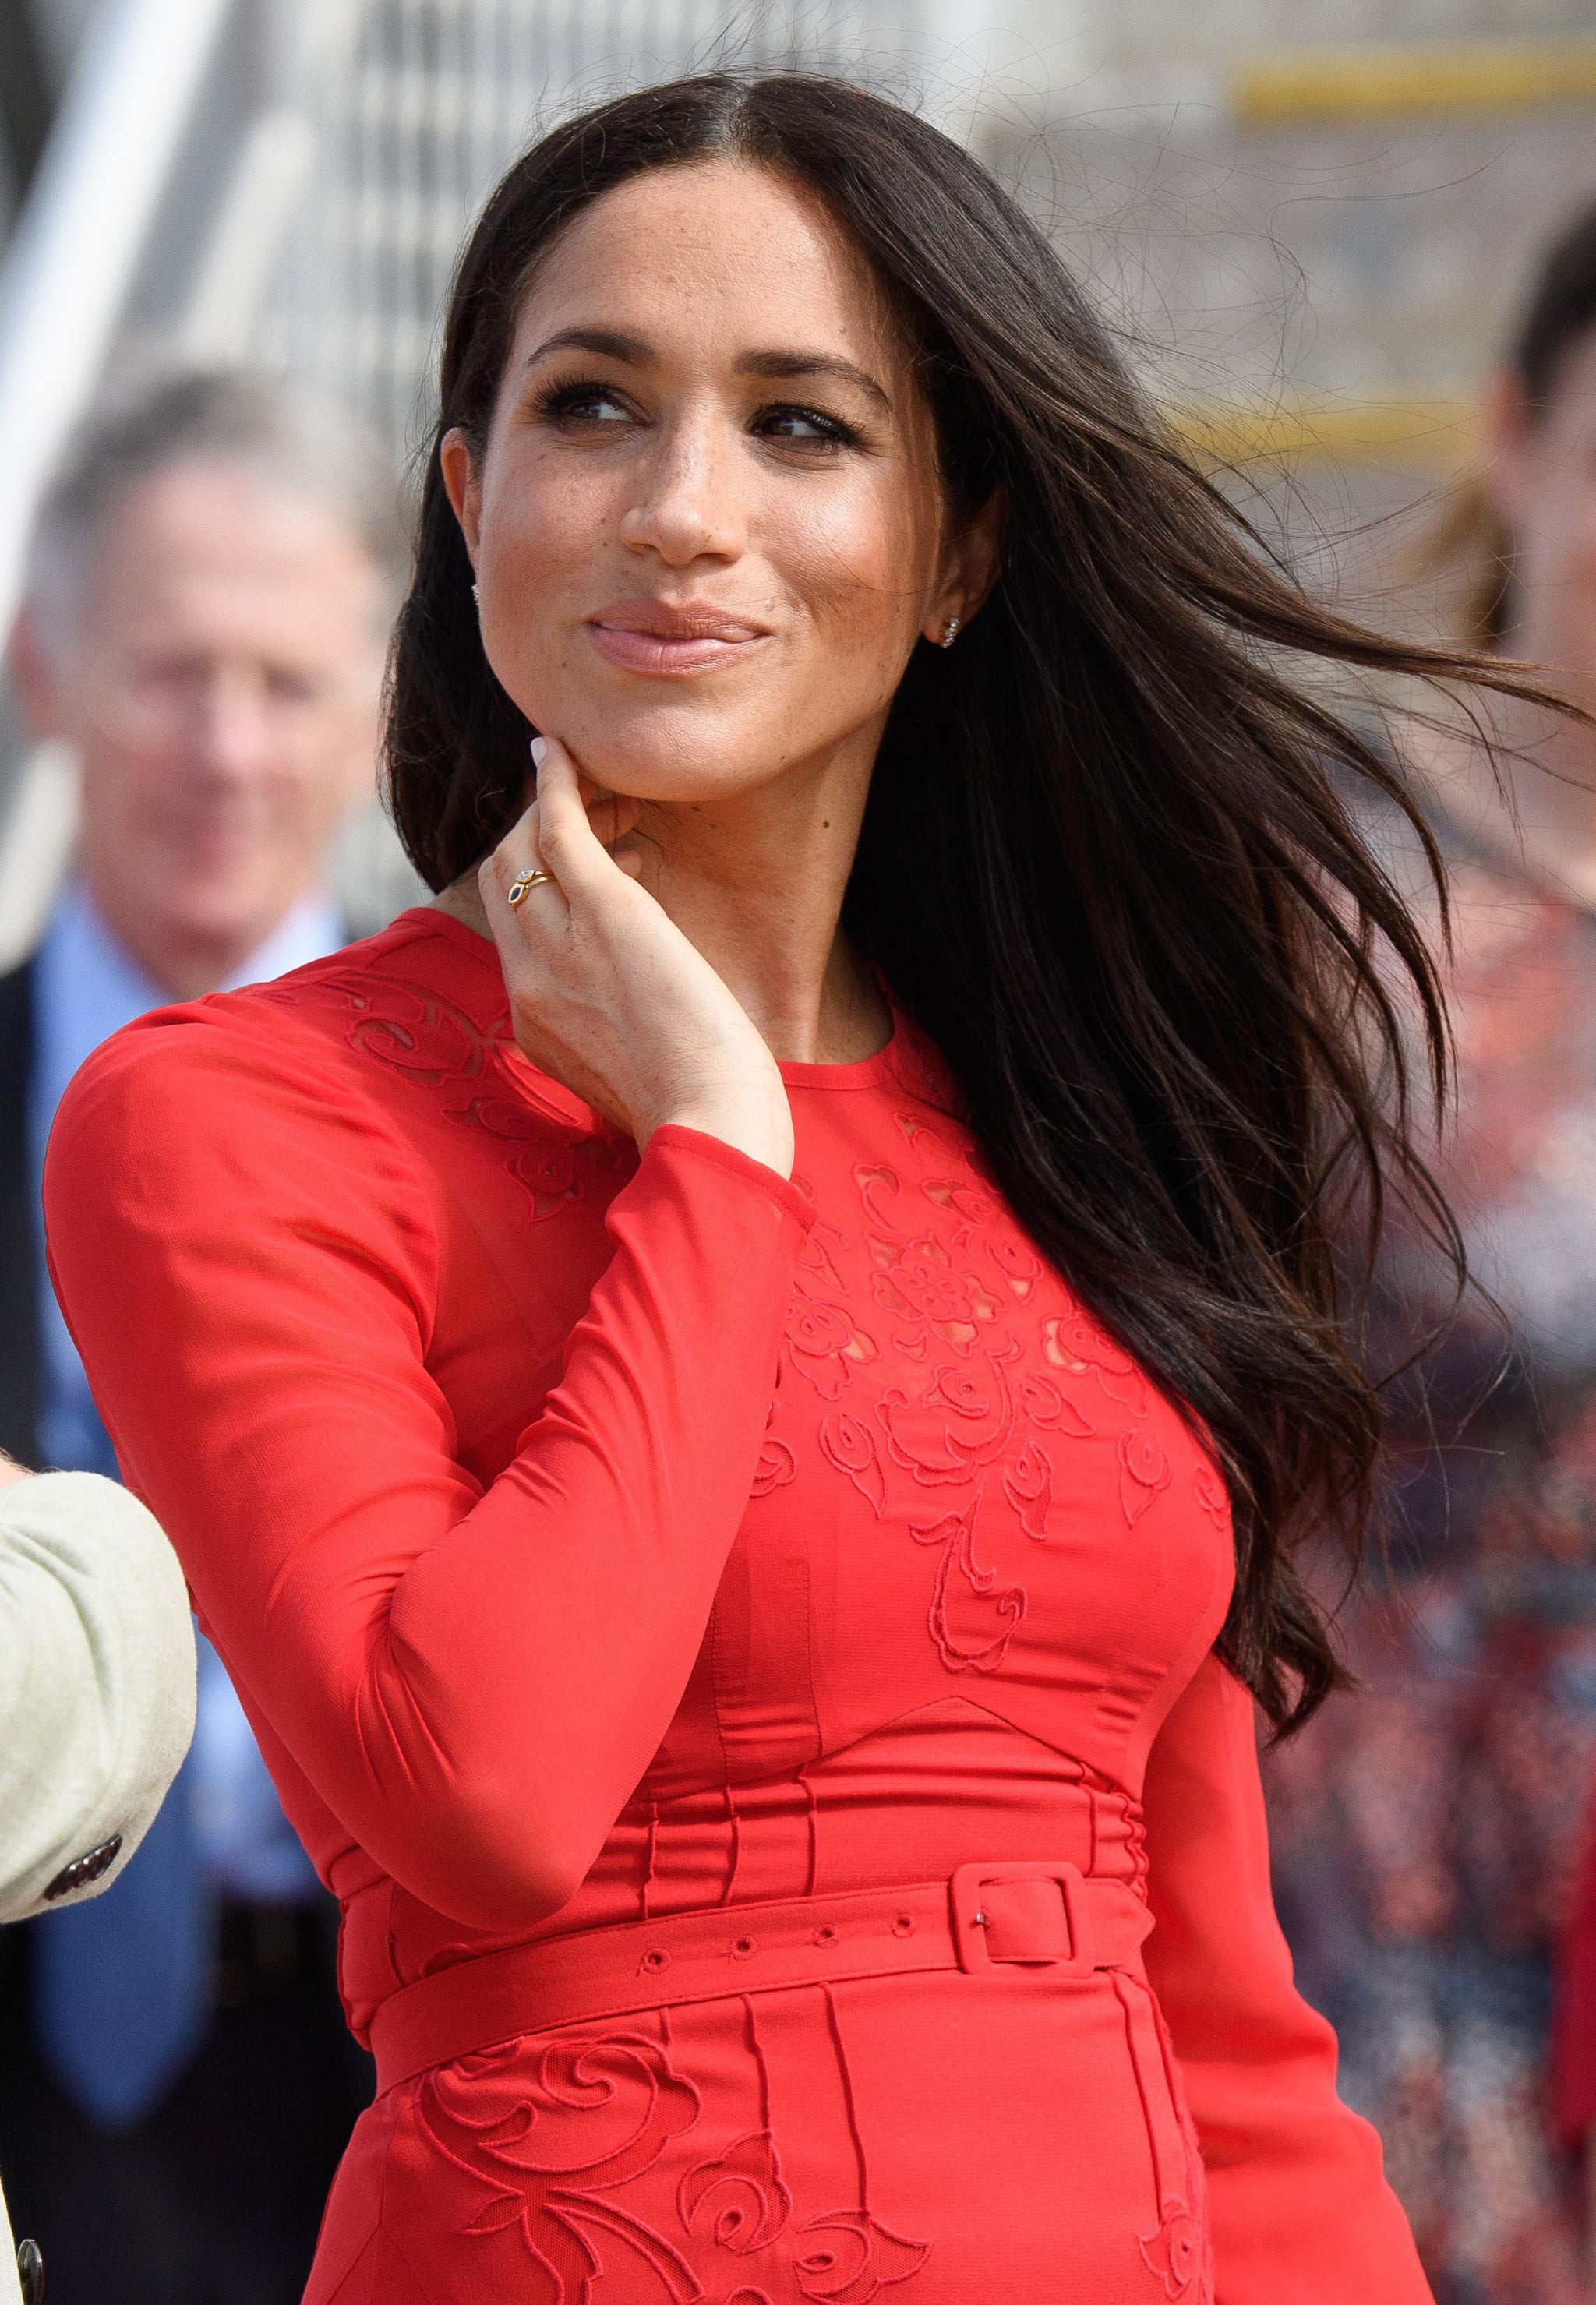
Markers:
1301,2211
474,1680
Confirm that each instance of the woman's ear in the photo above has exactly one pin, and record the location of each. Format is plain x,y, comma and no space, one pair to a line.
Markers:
973,564
463,488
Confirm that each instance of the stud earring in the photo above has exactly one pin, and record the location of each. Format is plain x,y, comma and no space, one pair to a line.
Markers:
477,594
950,632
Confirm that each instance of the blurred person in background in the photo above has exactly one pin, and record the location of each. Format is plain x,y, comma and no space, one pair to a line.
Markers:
205,625
1426,1831
97,1708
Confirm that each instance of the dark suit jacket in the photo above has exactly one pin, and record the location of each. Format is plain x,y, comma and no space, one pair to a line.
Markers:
19,1241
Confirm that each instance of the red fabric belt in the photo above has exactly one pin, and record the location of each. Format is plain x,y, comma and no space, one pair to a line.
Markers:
995,1920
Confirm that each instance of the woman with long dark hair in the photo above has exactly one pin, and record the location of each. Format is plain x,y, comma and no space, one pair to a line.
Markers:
736,1394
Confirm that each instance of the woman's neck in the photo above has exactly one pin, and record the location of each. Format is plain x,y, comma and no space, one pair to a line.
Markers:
756,882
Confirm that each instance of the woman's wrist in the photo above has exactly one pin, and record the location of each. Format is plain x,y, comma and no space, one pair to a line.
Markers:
760,1126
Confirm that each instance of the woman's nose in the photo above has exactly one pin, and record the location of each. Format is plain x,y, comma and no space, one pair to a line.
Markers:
689,509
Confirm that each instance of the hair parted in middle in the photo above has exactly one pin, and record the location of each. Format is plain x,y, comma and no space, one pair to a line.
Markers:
1109,863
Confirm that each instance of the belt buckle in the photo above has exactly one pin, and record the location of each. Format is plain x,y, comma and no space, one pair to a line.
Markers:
970,1883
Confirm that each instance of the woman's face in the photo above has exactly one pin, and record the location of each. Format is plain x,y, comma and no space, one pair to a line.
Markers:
1543,473
707,523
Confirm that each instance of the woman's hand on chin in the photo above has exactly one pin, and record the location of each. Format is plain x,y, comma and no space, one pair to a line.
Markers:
606,993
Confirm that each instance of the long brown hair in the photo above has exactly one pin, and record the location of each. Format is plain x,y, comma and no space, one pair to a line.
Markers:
1108,862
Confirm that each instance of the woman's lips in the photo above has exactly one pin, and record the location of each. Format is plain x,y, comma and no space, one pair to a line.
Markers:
651,637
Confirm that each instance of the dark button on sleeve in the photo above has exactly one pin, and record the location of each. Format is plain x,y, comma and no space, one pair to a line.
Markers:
85,1870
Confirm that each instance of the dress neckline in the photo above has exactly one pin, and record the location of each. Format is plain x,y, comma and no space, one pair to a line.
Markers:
863,1072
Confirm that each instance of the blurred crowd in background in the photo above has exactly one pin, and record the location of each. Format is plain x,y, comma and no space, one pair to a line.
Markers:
1355,252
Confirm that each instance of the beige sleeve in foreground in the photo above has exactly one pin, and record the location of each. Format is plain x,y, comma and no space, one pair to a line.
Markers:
97,1679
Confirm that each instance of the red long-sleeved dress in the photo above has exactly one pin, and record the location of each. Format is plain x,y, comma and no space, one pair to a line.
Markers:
740,1652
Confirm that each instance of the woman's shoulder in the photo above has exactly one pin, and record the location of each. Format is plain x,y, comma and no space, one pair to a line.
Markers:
417,974
423,968
289,1061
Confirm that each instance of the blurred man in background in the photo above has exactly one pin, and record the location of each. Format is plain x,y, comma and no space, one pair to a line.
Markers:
205,625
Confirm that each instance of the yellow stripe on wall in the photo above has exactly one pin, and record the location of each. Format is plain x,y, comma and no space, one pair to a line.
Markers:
1429,430
1395,81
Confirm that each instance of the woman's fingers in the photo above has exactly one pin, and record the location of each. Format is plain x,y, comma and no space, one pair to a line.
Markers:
518,853
612,815
627,1014
571,848
575,806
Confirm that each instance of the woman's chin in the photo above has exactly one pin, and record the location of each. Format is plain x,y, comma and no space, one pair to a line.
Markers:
669,766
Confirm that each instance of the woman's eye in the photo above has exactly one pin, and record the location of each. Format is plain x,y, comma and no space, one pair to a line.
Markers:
805,428
583,404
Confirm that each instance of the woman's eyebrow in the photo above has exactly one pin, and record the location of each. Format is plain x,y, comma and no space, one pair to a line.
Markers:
789,364
612,344
608,343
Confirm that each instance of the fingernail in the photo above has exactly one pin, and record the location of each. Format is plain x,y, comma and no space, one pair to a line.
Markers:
540,746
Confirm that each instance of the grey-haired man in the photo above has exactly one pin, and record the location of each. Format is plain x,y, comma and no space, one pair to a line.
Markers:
205,625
